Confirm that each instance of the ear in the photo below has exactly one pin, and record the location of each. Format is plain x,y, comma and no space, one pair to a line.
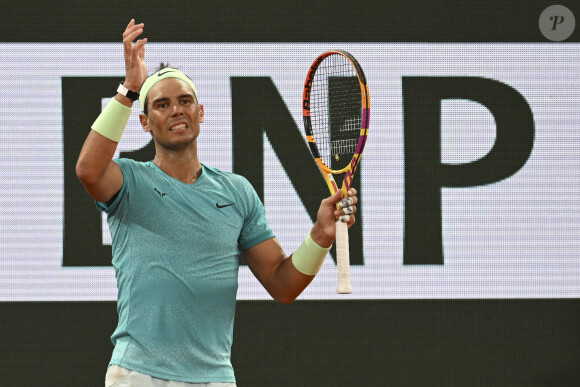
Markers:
201,113
144,122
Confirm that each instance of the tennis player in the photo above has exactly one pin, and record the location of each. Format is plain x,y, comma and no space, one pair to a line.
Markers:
178,227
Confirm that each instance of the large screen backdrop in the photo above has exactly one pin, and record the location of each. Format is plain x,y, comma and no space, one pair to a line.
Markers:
464,257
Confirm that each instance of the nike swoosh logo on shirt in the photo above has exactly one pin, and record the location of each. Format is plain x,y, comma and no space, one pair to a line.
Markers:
224,205
161,194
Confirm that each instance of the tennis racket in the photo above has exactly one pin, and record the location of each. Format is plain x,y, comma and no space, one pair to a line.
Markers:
335,108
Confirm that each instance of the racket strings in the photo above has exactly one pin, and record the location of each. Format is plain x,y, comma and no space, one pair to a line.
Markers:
336,110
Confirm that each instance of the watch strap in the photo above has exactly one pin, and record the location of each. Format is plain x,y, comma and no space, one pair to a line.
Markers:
132,95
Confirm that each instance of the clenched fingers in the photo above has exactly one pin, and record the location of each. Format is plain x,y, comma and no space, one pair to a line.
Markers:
347,208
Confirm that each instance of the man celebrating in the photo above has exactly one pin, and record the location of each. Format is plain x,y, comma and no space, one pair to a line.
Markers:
178,227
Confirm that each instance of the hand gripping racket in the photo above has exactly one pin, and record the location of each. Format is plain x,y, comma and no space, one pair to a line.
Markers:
335,108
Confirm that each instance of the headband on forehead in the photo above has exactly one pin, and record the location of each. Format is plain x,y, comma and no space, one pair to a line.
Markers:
160,75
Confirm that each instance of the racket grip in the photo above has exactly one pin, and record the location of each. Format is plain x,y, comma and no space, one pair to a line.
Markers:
342,259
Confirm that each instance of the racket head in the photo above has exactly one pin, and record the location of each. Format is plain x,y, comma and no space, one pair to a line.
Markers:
335,108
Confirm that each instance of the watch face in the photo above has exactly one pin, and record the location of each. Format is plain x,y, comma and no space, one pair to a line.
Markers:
132,95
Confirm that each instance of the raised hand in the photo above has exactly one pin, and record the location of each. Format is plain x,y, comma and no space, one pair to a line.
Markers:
135,67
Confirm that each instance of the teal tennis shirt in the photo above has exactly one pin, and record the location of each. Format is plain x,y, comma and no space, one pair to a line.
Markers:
175,253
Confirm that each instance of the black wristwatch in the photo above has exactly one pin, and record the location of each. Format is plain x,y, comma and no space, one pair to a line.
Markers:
132,95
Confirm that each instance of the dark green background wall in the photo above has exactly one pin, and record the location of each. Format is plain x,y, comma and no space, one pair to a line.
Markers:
317,343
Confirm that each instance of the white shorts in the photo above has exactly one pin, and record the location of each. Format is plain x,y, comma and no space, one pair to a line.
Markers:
121,377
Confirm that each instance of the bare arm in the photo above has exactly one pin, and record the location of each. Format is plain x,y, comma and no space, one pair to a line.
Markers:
276,272
102,177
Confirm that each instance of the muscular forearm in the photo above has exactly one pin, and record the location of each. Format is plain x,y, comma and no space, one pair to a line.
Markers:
95,157
99,147
275,271
101,177
289,282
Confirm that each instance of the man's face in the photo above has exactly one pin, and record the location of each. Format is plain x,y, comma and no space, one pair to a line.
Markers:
174,114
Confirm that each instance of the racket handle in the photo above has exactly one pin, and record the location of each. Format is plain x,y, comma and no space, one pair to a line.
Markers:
342,259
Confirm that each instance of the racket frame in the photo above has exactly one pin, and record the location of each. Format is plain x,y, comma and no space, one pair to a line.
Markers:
343,261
